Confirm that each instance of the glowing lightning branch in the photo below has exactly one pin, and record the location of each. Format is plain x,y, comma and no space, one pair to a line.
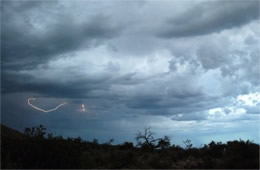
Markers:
42,110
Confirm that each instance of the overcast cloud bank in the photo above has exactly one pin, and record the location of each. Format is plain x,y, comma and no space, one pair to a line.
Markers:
187,69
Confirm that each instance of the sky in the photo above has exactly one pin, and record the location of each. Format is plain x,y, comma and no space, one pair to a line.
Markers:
108,69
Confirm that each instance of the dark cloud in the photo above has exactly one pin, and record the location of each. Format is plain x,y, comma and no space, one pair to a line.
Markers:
13,83
23,6
180,97
209,17
24,45
110,57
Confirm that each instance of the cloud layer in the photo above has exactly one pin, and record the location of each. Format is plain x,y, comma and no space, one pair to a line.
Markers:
133,64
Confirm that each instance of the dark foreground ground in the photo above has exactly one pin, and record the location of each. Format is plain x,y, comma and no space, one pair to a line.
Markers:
36,149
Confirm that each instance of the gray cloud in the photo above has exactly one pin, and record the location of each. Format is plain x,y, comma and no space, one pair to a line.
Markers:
213,55
124,60
24,45
209,17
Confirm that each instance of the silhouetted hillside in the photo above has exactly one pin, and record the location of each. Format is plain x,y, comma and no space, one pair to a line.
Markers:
37,149
7,132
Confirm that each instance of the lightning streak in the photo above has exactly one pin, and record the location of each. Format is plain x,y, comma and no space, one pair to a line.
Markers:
42,110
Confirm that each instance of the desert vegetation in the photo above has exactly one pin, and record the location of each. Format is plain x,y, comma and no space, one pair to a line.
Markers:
36,148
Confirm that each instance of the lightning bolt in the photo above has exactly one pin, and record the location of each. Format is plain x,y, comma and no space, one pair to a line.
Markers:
42,110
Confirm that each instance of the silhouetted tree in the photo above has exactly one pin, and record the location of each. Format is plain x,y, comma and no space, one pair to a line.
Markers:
49,136
126,145
95,141
55,152
216,149
110,141
39,131
146,140
187,144
164,143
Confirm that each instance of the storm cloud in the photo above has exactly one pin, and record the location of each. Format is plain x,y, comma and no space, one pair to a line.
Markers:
177,66
210,17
